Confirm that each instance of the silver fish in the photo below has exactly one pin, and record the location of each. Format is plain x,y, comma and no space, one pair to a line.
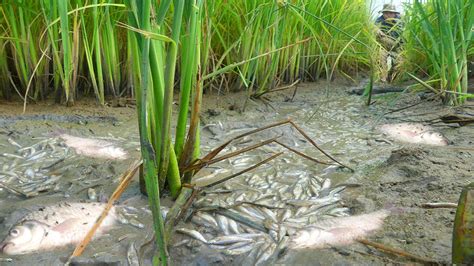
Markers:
223,223
265,253
54,226
91,194
14,143
192,233
239,248
229,239
208,218
234,227
132,255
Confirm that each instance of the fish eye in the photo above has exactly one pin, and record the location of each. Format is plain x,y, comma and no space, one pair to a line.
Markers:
14,232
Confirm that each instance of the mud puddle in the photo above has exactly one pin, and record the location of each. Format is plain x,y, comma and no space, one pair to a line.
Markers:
389,174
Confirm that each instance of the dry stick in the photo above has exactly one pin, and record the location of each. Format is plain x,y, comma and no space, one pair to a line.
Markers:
411,105
243,171
216,151
301,154
278,89
188,204
199,166
294,93
397,252
433,205
172,216
126,179
316,146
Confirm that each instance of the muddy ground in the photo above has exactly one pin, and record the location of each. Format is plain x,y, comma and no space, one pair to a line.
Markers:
390,174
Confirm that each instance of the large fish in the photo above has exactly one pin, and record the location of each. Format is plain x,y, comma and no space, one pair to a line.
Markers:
94,147
338,231
55,226
414,133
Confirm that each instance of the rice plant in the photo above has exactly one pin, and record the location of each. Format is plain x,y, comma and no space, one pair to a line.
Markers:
439,43
67,50
154,85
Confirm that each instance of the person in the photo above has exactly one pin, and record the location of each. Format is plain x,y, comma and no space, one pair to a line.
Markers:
389,30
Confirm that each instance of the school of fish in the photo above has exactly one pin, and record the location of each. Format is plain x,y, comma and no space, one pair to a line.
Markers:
259,214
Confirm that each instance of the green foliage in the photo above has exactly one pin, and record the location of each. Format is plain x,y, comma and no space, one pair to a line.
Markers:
439,43
76,48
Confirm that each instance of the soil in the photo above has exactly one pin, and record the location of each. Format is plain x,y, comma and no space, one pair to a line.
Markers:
390,174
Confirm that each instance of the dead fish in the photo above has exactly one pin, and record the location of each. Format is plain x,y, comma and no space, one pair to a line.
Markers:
231,239
91,194
54,227
414,133
223,223
338,231
132,255
239,248
14,143
331,169
192,233
315,201
94,147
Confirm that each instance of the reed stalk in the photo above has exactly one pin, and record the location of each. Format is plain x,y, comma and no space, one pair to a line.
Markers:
439,43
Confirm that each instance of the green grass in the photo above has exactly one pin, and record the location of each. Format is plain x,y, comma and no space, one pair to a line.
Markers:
439,43
67,50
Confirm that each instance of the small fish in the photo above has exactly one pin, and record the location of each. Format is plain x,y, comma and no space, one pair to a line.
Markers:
9,155
136,223
326,183
265,253
331,169
54,226
314,201
192,233
132,255
91,194
14,143
229,239
208,218
223,223
234,227
238,249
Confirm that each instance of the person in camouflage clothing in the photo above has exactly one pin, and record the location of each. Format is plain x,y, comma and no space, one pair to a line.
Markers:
389,28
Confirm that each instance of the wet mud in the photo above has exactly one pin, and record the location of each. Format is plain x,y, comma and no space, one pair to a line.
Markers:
388,174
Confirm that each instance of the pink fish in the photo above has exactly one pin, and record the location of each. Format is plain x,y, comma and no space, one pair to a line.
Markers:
55,226
414,133
338,231
94,147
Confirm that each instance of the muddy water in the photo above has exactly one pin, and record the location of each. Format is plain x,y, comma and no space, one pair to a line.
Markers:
389,174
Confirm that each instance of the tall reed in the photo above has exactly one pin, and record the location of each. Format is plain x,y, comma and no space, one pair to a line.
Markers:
67,53
439,43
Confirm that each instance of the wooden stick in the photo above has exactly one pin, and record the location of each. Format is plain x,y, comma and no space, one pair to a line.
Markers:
202,164
244,171
397,252
433,205
316,146
126,179
301,154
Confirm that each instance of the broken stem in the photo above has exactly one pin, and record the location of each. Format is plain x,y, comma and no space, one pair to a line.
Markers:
316,146
397,252
126,179
243,171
